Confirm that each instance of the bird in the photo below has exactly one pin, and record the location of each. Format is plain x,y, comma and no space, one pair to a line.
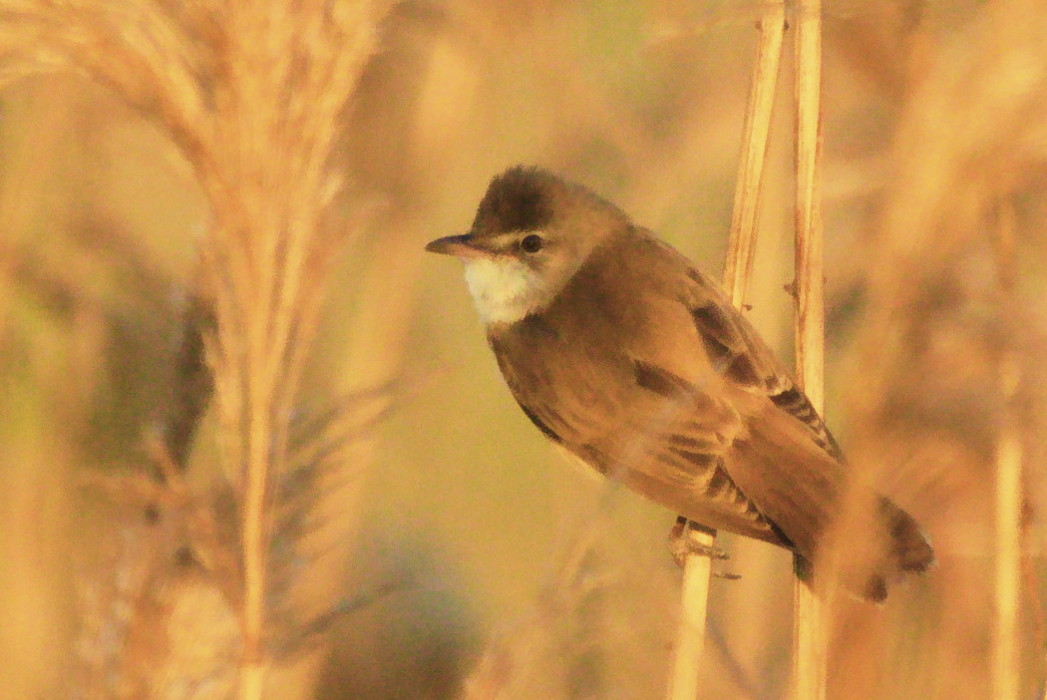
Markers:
625,354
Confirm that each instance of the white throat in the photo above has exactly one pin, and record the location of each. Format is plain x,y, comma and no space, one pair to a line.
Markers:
504,289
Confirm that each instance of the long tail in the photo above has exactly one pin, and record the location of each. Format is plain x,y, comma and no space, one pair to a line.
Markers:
903,549
804,491
909,550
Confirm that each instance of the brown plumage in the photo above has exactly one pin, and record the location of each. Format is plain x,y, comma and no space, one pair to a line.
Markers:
616,347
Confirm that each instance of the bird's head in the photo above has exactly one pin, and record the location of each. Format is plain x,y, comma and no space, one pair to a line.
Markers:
531,234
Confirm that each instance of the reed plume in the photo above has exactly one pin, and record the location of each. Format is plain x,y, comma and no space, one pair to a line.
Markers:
254,95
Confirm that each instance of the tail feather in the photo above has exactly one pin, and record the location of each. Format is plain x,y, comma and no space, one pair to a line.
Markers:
803,491
900,547
904,549
867,586
910,550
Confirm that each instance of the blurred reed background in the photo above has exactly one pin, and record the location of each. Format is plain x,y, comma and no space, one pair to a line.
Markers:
425,534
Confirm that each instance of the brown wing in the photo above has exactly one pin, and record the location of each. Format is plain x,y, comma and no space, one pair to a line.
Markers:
783,458
643,422
736,350
643,368
690,440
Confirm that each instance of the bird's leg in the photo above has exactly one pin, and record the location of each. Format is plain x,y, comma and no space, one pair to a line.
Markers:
681,544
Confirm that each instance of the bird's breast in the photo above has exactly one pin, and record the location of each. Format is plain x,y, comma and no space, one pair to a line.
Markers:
575,387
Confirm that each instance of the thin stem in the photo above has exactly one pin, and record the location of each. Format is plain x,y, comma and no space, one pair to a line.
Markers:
1005,676
737,269
1005,660
755,135
690,636
809,657
255,549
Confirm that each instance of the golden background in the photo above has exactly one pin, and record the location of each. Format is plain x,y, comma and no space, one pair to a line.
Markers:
455,526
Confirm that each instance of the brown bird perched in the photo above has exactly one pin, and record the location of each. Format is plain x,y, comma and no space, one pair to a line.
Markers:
617,348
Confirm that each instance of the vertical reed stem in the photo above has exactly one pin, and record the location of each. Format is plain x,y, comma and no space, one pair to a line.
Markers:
809,648
755,134
690,637
741,245
1005,660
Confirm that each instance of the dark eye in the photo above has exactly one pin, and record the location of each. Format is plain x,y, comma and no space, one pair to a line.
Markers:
531,243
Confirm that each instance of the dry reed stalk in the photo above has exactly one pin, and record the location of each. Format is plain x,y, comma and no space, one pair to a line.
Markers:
741,247
1006,675
690,635
254,93
271,252
809,641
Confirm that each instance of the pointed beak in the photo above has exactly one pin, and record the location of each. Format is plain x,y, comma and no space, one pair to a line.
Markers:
460,246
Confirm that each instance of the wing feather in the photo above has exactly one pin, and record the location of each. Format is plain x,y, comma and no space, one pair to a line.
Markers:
782,459
675,394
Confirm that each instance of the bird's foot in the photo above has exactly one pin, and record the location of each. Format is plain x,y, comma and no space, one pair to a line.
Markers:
685,541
